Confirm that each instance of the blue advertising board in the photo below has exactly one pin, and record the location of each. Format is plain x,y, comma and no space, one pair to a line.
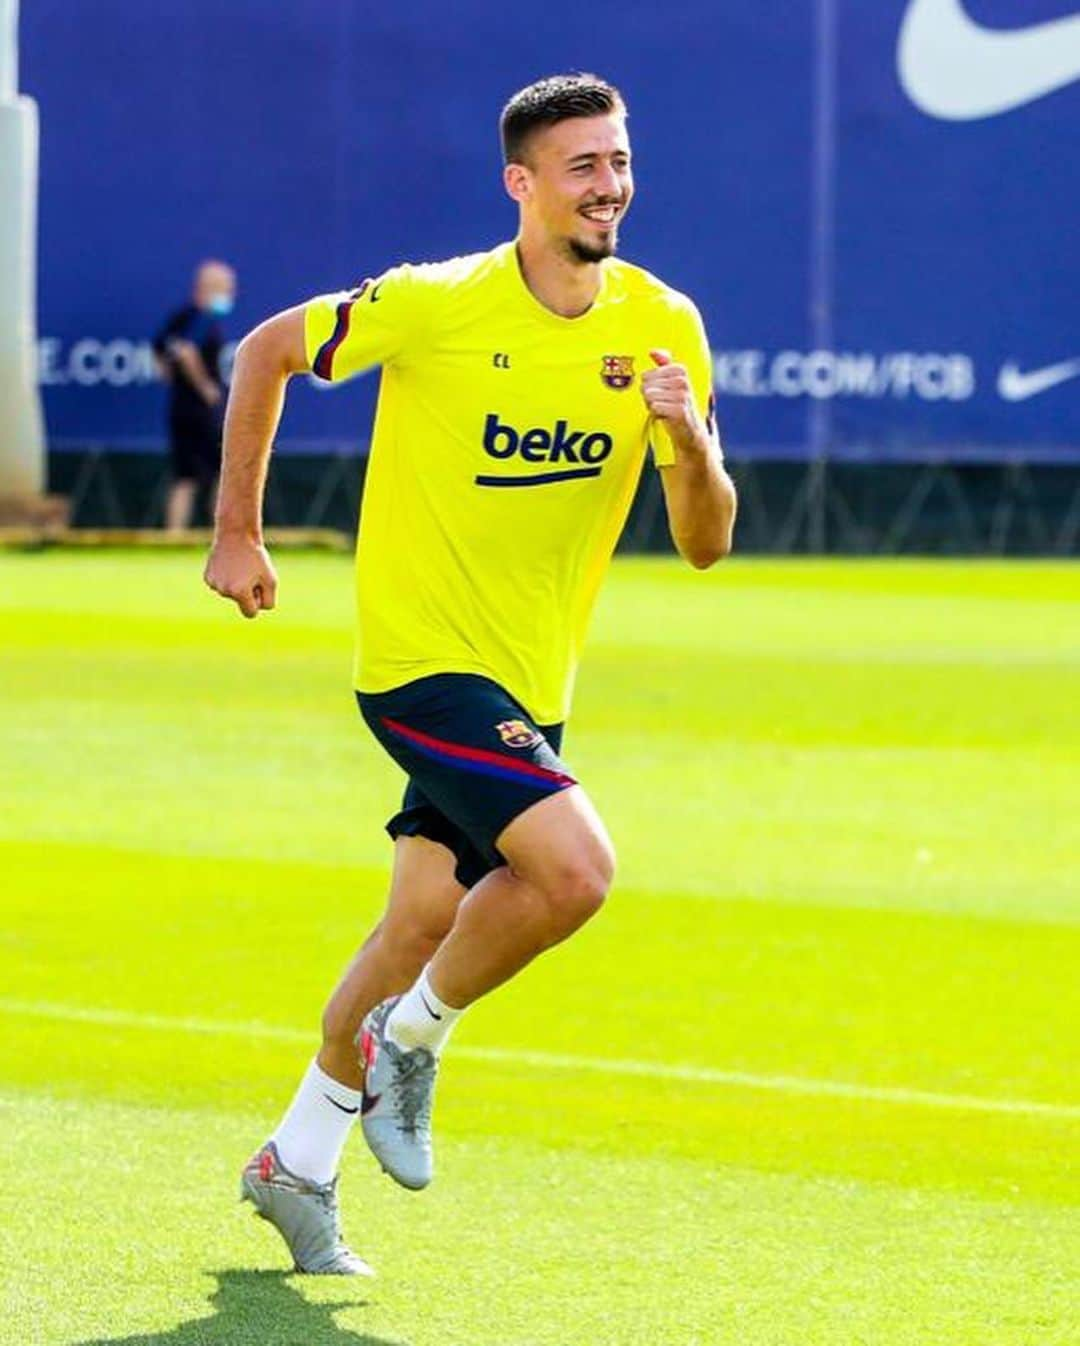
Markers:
875,206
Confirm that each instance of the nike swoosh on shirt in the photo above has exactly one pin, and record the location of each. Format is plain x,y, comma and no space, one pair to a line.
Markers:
340,1106
423,997
954,68
1015,386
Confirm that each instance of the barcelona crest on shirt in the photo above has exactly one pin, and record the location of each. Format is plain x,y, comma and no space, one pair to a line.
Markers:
517,734
617,371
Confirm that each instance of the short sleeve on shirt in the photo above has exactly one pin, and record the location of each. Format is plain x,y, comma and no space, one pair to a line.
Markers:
174,326
689,346
379,322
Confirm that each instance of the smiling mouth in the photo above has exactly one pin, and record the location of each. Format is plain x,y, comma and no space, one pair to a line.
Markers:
605,215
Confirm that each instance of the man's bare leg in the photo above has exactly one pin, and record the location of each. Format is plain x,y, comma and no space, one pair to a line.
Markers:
560,867
180,505
289,1180
424,897
561,863
423,902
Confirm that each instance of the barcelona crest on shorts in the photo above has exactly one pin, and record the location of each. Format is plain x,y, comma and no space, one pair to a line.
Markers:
617,371
517,734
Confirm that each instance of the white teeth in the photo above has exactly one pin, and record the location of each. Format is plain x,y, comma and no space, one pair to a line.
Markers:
603,214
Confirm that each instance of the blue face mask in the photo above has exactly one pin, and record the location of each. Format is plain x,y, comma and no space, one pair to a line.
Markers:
220,305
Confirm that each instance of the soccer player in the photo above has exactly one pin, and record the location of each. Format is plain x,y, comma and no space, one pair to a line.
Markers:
521,390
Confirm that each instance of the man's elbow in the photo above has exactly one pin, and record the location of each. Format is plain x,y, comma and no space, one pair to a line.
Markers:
702,553
705,550
703,537
701,558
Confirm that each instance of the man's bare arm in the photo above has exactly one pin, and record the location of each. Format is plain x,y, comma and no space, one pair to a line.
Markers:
698,493
239,565
188,356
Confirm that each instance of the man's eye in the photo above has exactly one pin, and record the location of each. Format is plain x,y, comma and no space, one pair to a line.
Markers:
581,168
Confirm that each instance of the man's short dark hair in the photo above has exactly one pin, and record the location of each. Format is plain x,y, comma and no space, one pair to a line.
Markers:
551,100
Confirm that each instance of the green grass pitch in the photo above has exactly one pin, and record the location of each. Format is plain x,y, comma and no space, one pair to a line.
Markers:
810,1079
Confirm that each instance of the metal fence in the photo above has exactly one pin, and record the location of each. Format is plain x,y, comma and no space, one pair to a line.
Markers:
935,507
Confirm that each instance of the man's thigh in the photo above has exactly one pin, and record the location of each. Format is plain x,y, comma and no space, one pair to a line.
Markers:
558,839
418,817
424,892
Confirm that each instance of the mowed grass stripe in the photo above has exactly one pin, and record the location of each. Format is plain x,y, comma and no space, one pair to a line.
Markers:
561,1061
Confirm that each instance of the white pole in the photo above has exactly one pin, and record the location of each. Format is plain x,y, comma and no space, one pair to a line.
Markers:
22,436
9,50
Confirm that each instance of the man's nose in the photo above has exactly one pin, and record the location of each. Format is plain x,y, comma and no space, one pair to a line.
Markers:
607,183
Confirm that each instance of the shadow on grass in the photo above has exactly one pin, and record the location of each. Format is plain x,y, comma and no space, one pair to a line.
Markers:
258,1308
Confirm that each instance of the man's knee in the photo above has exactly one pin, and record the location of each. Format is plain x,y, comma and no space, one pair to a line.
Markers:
578,884
409,942
561,849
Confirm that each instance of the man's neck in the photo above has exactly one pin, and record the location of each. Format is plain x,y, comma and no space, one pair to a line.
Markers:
566,287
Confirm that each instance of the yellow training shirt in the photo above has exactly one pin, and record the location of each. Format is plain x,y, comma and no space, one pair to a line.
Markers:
507,445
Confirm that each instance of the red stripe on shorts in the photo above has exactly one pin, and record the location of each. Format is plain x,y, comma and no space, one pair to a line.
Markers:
464,754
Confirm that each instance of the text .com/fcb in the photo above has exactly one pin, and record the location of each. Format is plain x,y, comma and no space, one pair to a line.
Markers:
925,375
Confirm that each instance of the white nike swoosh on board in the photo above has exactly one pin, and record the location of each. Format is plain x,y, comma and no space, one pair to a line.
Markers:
954,68
1015,386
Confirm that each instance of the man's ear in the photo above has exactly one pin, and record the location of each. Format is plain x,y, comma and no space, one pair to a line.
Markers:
518,182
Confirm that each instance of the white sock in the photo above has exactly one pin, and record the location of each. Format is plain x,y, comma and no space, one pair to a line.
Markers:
421,1019
313,1132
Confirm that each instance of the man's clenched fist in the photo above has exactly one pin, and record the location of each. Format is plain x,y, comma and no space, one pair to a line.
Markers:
670,398
241,569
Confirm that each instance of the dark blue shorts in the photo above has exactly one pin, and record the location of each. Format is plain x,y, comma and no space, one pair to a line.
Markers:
475,760
195,445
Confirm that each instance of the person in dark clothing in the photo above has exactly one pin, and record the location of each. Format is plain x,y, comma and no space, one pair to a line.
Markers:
188,349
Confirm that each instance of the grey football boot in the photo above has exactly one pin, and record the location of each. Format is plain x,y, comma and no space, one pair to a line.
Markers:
396,1108
304,1213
